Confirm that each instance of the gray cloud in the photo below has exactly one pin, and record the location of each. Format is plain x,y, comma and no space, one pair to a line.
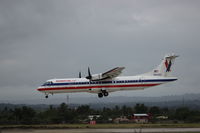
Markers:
46,39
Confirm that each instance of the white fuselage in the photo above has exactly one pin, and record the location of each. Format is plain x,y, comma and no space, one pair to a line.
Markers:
116,84
110,81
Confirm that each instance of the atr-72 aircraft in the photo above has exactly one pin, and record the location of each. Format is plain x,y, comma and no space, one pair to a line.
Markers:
110,81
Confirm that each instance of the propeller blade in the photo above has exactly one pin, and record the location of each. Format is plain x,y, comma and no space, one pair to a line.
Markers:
89,74
79,75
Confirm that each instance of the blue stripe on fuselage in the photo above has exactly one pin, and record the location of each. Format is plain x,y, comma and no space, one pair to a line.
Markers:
109,82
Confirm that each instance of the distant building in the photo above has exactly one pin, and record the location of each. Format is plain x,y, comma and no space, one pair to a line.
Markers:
92,122
121,119
162,117
141,118
93,117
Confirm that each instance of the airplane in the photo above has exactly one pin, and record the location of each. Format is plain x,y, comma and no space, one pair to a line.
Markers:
110,81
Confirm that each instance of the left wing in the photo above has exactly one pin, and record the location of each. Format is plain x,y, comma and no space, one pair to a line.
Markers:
107,75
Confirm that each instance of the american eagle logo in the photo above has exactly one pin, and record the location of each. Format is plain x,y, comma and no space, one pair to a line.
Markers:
168,65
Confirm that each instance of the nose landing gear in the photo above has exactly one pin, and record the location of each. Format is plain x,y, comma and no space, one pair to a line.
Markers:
47,95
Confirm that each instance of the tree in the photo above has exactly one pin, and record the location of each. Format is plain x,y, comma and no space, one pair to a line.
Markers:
6,116
24,115
84,109
182,113
154,110
64,113
140,108
126,111
49,116
28,115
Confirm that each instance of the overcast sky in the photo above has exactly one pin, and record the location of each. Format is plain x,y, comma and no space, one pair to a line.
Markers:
46,39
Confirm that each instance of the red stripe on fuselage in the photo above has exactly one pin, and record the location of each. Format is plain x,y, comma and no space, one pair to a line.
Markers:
90,87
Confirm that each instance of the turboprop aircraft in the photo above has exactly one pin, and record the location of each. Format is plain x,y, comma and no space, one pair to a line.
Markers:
110,81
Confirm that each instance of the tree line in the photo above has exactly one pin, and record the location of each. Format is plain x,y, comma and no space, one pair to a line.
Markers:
64,114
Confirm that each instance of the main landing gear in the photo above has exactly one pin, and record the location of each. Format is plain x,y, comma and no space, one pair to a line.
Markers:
103,93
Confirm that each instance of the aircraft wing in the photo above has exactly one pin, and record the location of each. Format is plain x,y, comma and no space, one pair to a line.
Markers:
107,75
112,73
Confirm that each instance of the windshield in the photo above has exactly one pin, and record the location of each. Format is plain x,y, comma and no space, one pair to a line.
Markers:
47,83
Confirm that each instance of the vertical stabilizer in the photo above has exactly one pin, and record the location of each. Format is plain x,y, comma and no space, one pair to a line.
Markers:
165,67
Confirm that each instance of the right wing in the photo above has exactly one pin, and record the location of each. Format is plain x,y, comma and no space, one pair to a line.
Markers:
113,73
107,75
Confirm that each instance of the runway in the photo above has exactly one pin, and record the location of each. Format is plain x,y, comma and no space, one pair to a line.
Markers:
133,130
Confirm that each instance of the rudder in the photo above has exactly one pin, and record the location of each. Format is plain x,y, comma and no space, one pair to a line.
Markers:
165,68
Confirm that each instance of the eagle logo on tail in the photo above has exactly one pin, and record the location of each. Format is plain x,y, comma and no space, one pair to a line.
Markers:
168,65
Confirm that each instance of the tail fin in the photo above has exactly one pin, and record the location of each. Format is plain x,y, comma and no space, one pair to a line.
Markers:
165,68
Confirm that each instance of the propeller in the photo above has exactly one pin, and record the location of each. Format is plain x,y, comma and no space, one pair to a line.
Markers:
89,74
79,75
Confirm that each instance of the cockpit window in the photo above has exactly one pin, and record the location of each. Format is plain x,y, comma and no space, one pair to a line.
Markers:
47,83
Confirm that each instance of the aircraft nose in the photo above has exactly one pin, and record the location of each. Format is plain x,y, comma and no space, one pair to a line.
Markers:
39,88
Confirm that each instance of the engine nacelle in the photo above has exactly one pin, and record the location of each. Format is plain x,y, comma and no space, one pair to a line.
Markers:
96,77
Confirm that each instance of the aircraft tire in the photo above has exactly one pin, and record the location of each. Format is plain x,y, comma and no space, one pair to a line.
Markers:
106,94
46,96
100,95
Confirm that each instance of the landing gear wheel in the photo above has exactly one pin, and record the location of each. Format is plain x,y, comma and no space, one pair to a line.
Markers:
100,95
105,93
46,96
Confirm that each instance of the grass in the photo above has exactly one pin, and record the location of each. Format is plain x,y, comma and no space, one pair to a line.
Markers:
82,126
